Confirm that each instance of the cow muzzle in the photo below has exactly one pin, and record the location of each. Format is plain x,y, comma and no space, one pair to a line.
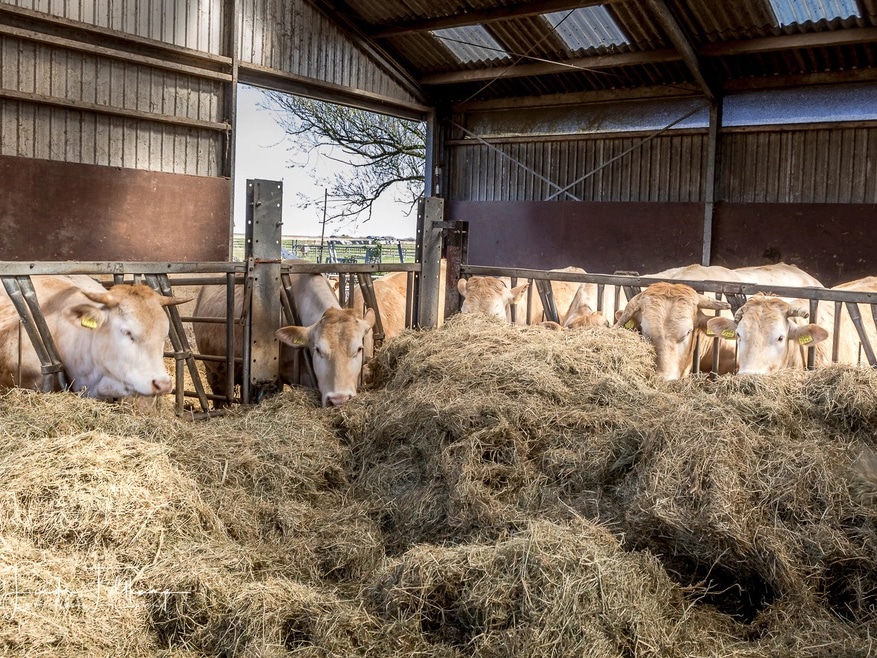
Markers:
336,399
161,386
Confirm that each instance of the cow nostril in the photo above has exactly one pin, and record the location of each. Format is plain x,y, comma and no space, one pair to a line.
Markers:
161,386
337,399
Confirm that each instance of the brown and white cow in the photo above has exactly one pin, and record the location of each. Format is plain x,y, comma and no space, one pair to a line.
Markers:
336,338
670,316
771,333
111,342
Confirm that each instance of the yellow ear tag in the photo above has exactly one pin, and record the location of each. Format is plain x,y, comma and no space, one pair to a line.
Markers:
629,324
300,341
89,323
728,333
710,332
805,339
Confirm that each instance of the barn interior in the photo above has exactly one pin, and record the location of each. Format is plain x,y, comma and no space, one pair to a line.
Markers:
560,132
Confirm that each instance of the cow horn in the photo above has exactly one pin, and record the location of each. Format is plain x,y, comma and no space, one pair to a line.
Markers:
798,312
104,298
713,304
172,301
739,314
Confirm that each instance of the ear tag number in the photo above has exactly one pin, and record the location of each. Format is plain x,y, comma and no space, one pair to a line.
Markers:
727,333
89,323
629,324
805,339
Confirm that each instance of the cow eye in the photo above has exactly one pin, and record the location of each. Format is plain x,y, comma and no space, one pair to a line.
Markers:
128,334
318,351
780,339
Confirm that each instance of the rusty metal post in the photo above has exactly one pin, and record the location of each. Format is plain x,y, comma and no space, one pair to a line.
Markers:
264,208
430,227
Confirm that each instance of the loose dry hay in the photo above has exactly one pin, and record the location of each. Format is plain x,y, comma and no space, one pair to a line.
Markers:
500,491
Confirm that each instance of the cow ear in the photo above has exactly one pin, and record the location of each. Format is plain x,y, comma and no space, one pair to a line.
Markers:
518,292
294,336
87,315
369,318
550,324
808,334
629,318
461,287
712,304
721,326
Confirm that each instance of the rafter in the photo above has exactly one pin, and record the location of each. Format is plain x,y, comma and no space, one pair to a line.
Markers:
677,37
544,68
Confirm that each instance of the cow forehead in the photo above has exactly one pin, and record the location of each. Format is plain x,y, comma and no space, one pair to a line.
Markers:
138,303
339,326
762,311
485,286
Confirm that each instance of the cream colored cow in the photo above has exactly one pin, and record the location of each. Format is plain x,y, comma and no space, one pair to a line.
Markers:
336,338
670,316
771,334
111,342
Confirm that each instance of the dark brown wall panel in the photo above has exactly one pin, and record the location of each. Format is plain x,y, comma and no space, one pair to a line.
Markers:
63,211
833,242
599,237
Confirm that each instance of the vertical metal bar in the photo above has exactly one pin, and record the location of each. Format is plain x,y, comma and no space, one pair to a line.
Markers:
430,227
230,319
409,299
713,165
811,351
183,351
856,317
513,308
368,295
264,232
13,289
835,339
546,293
52,366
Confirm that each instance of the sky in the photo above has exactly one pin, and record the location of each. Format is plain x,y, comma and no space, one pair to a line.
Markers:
262,153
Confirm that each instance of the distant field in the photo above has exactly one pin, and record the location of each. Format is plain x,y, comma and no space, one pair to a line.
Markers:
341,250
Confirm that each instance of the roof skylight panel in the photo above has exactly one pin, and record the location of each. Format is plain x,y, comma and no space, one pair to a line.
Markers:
470,43
788,12
586,27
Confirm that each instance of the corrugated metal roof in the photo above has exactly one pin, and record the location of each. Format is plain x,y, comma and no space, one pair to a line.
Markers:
788,12
745,42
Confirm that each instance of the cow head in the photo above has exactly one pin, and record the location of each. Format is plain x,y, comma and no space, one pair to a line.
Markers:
336,343
769,335
669,316
121,335
580,314
489,295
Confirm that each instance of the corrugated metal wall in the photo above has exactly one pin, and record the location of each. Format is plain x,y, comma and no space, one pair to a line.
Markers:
815,165
834,164
667,168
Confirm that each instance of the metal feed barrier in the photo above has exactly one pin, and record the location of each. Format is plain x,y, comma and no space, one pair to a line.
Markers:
735,293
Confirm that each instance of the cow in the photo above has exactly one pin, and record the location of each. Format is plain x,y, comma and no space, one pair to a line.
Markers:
391,294
670,316
496,293
489,295
110,342
579,315
337,339
776,274
771,335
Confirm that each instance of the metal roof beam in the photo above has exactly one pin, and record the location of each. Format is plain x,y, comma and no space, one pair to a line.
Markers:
845,37
669,24
544,68
484,16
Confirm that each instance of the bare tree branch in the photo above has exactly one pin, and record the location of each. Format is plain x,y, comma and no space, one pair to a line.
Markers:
382,153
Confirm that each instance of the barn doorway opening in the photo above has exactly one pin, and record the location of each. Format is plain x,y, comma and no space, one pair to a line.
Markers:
352,178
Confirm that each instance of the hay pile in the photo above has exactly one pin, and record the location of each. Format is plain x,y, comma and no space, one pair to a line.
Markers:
499,492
